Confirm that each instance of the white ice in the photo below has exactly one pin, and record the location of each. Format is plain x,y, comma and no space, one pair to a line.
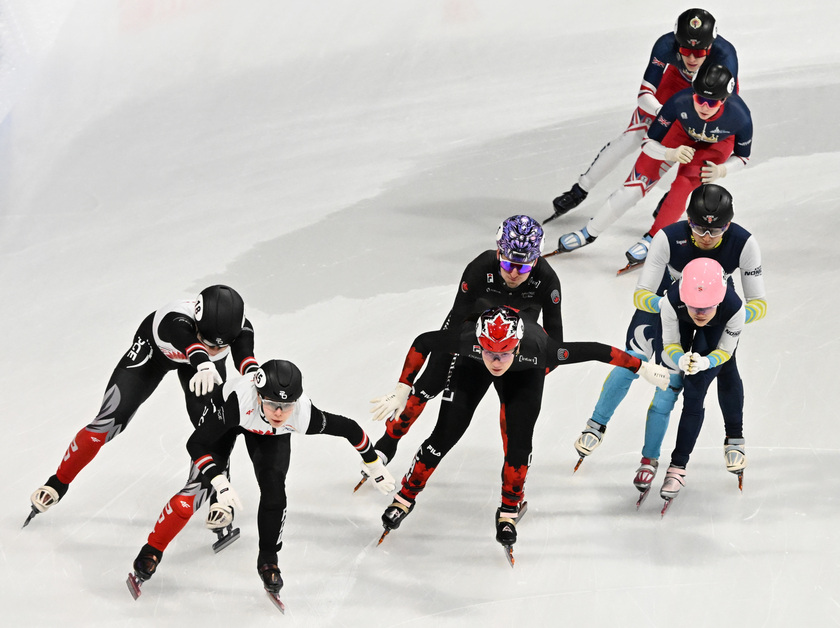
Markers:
339,163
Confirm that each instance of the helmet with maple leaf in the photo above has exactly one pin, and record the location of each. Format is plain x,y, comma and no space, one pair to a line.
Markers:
499,329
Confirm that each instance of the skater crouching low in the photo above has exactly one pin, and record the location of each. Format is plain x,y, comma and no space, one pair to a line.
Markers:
702,320
512,354
265,407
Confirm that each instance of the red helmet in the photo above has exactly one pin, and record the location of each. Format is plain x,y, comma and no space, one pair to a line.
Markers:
499,329
702,283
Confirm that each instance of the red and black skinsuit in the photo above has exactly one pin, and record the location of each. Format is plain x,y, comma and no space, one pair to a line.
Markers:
520,391
166,340
481,287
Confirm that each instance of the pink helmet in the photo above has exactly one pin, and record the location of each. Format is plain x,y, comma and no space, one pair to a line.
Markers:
702,284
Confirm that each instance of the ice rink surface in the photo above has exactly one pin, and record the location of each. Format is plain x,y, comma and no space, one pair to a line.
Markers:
339,163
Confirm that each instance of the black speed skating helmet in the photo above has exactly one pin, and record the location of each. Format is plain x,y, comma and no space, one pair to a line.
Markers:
279,380
695,29
710,206
219,314
714,82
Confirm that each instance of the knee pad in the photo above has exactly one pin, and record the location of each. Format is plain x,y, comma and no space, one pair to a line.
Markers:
183,505
664,400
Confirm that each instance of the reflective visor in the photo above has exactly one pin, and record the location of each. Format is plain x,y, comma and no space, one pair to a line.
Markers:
508,266
696,52
709,102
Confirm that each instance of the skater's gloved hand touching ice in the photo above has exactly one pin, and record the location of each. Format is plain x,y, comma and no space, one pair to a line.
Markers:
379,474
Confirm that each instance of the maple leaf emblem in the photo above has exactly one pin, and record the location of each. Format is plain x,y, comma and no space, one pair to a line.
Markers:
499,328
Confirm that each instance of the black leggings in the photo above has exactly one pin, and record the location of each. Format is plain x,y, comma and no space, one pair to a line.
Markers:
695,388
520,396
136,377
270,456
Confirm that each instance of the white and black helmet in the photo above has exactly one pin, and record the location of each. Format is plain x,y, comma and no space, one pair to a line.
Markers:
279,380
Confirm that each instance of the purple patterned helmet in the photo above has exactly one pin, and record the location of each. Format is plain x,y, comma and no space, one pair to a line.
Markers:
520,239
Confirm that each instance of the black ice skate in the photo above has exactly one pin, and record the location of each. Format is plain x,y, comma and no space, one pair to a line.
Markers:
506,521
567,201
144,568
394,515
272,582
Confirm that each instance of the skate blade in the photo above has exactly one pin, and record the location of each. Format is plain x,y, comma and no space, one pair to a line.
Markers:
579,462
382,538
667,505
275,599
134,583
225,539
509,554
30,517
740,475
523,508
642,498
554,252
628,268
359,485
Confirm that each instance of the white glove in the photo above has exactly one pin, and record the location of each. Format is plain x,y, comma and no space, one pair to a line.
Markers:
683,154
698,363
204,380
391,404
711,172
382,478
693,363
225,495
655,374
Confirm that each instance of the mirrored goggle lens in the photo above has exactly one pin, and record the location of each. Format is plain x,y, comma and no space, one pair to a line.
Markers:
501,357
508,266
714,232
709,102
278,405
696,52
